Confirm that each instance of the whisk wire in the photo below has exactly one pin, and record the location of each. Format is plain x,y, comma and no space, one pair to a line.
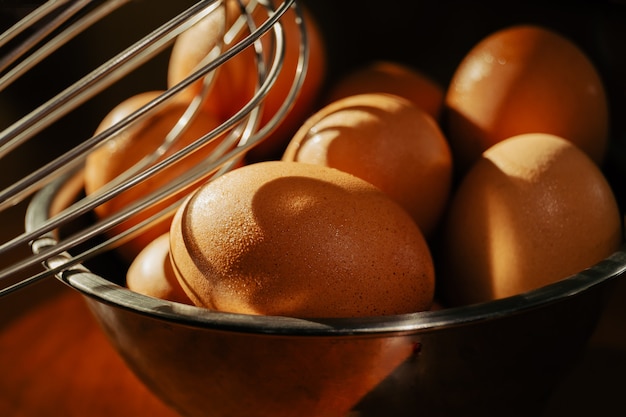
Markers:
125,181
77,94
28,21
237,135
52,45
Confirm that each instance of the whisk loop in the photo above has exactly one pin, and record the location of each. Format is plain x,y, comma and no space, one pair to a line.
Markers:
237,134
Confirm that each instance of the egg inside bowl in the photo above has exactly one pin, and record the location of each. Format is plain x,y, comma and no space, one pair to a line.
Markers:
502,357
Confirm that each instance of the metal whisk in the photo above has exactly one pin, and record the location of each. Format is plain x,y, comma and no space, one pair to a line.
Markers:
53,25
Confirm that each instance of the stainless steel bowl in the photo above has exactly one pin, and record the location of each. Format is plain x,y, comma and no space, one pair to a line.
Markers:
498,358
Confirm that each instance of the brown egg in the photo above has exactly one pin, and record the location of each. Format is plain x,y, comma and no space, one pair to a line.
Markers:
525,79
197,46
237,79
128,147
302,240
151,272
392,78
387,141
533,210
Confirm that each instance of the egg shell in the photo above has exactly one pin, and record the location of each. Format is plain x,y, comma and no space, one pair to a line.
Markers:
236,80
391,77
533,210
287,238
525,79
151,272
198,45
128,147
388,141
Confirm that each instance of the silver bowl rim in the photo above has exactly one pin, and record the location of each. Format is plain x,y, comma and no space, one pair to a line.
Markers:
106,292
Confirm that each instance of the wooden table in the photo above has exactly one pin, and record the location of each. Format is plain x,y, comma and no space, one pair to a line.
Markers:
55,361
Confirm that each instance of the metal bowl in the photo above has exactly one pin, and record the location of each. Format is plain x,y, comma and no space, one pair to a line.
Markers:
503,357
499,358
